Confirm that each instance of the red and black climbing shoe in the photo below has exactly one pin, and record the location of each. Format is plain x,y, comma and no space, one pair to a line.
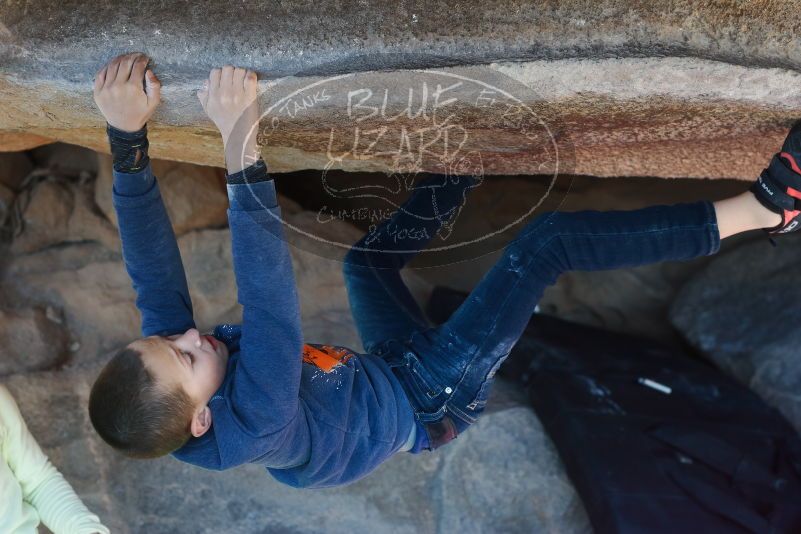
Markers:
778,188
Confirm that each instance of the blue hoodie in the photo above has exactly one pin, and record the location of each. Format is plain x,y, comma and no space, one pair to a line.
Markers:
308,427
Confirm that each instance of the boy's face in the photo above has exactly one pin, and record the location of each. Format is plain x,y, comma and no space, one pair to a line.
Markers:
195,362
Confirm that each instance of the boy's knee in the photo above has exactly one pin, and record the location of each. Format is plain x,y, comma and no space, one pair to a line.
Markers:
542,238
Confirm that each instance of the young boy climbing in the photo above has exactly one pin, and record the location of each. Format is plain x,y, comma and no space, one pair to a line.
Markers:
250,393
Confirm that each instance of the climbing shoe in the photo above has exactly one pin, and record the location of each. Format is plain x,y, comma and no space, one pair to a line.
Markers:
778,188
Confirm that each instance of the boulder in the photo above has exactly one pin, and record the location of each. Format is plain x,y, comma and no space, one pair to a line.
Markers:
94,290
618,88
741,313
194,195
32,339
56,211
89,283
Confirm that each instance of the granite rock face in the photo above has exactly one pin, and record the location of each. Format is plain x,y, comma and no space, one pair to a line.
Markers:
33,339
55,211
741,312
603,88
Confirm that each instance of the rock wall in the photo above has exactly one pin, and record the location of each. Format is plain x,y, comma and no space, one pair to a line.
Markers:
619,88
740,313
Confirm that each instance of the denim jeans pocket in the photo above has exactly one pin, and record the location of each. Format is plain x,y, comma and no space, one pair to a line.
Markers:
422,376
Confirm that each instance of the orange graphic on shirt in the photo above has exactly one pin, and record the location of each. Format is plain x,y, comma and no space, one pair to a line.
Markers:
325,357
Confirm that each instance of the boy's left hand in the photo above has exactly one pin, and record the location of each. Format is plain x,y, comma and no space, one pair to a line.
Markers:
230,99
127,92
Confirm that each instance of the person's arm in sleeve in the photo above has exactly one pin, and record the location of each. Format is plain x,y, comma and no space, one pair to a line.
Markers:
263,392
149,247
265,388
59,507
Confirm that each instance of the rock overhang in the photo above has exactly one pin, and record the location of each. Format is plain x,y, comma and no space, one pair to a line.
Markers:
682,90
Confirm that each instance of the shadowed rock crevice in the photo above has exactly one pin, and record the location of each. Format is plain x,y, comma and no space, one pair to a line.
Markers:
741,313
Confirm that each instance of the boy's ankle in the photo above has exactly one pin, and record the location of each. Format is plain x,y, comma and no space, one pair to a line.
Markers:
764,216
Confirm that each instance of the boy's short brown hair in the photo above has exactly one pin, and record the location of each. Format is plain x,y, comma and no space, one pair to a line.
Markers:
133,414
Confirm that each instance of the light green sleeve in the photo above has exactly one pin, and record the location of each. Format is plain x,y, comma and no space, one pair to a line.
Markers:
42,485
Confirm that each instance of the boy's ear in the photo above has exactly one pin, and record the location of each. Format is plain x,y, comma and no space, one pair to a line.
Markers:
201,422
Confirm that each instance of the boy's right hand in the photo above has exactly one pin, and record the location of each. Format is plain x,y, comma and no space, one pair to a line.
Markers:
127,92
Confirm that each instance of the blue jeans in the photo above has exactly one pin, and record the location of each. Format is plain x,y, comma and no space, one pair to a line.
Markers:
447,370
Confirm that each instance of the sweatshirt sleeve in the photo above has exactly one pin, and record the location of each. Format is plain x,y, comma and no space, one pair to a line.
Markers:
264,389
149,247
59,507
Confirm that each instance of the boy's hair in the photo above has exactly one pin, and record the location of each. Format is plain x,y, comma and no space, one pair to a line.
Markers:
133,414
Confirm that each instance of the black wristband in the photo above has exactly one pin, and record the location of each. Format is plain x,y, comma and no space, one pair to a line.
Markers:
250,175
128,149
